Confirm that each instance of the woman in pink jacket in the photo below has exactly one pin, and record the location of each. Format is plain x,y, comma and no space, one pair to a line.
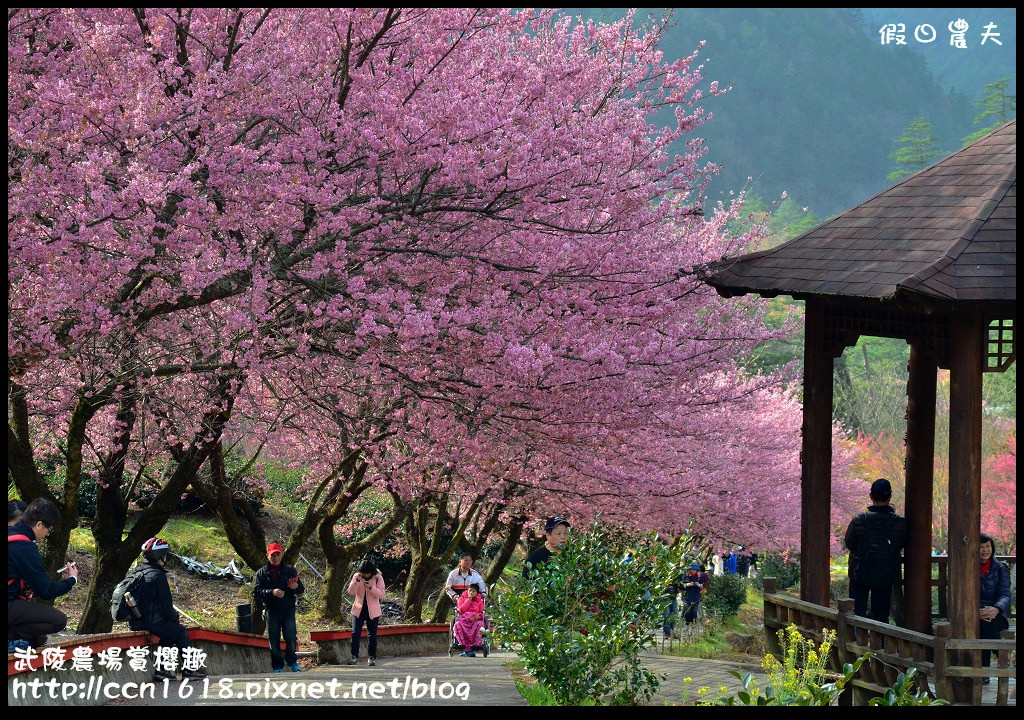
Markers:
368,588
471,620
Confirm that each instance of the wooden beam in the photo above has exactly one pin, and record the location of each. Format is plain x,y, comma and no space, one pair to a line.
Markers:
816,459
968,348
917,572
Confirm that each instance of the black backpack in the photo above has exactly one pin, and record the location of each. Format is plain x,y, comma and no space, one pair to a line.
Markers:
118,607
877,556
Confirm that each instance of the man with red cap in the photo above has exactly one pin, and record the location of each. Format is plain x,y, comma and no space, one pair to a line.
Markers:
277,586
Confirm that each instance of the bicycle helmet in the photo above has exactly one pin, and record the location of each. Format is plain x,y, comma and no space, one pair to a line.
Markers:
155,549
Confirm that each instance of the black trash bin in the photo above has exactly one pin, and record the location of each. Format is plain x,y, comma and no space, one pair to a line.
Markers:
243,618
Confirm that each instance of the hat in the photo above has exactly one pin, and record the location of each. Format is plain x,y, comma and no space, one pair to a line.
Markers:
694,565
554,522
274,547
881,489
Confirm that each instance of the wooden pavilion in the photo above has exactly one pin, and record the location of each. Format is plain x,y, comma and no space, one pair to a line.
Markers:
931,260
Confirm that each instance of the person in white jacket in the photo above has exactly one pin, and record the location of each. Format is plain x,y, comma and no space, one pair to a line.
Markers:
462,577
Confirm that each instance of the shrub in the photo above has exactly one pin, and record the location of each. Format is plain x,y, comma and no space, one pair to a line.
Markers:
787,573
580,622
725,595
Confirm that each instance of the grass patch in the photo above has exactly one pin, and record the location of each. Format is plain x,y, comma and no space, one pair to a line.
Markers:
198,537
82,541
535,694
532,691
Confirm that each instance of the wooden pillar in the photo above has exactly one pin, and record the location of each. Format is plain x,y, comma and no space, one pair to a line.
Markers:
816,459
967,335
917,569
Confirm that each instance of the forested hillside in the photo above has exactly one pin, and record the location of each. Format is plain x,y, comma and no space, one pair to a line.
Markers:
817,101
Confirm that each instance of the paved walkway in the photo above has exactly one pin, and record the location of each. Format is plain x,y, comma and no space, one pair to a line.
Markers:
426,680
709,673
433,680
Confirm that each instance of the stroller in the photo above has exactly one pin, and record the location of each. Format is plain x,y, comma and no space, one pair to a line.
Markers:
453,643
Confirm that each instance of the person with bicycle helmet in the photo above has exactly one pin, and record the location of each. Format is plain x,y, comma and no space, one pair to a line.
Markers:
152,594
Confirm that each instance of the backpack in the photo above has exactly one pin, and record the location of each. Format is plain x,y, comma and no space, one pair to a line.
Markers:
119,609
24,591
877,556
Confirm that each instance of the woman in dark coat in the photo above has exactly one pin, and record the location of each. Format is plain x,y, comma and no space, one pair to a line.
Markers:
995,596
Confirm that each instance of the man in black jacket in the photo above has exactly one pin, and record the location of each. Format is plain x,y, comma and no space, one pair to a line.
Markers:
875,539
27,579
152,594
277,586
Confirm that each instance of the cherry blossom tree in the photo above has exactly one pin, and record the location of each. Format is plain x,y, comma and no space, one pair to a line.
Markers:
414,245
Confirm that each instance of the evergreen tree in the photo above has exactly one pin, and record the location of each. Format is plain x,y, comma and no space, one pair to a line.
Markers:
920,149
998,108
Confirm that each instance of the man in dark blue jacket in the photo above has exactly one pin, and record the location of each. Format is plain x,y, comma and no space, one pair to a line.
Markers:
27,579
277,585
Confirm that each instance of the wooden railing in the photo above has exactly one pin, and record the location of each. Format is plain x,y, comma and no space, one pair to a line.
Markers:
946,667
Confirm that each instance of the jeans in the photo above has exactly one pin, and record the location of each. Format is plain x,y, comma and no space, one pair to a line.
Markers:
371,631
277,624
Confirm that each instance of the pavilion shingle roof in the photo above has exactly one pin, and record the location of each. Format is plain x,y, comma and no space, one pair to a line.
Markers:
947,232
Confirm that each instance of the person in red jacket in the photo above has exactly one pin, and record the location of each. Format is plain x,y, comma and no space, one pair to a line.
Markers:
367,587
471,620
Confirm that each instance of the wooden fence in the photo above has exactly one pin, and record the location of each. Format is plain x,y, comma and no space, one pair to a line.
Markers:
948,668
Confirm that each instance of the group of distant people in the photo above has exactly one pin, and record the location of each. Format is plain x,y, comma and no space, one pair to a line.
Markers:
742,562
877,537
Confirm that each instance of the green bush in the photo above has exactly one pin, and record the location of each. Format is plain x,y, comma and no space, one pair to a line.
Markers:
581,621
725,595
786,573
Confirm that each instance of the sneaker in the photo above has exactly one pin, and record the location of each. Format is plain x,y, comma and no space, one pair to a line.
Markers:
280,670
353,660
296,667
371,662
471,654
986,681
193,674
14,645
161,675
463,654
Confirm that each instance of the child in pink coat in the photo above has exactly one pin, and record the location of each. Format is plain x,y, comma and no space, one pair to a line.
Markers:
471,620
368,588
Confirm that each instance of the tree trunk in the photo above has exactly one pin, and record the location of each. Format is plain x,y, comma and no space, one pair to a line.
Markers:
442,606
340,557
113,554
112,565
508,547
337,604
423,570
21,465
